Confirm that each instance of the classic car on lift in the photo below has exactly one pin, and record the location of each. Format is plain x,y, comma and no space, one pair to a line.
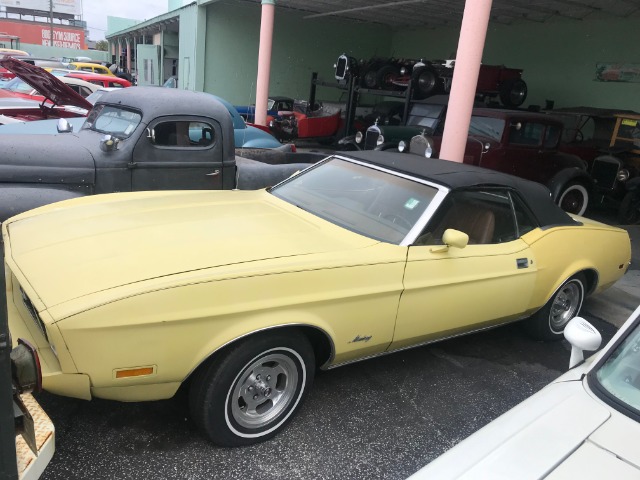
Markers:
582,425
610,142
239,295
428,78
520,143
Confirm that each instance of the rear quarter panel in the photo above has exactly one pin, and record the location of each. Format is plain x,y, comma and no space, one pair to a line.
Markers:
566,250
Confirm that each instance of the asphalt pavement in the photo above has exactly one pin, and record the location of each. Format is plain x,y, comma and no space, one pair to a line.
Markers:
615,304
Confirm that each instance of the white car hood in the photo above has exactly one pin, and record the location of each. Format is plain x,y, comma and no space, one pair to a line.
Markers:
560,432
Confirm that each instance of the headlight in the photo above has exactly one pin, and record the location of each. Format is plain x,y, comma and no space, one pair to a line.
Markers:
403,71
358,137
402,146
428,151
623,175
380,140
25,367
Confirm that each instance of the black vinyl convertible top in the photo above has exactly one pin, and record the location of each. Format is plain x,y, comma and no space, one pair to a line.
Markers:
460,176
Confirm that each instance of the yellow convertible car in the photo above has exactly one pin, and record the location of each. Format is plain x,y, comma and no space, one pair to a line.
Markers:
241,295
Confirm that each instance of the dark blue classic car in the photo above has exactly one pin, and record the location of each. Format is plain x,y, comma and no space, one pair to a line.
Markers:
274,105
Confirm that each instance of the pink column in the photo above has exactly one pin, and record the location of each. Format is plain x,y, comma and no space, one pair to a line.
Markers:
465,78
128,55
264,60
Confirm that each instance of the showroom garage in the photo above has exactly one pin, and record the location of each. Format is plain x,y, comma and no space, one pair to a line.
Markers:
560,44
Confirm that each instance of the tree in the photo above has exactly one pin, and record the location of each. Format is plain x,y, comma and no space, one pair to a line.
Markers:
102,45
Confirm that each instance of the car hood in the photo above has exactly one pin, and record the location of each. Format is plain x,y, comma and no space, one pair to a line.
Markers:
560,432
89,245
48,85
57,159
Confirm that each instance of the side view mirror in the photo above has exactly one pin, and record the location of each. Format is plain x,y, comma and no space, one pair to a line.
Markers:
582,336
64,126
452,238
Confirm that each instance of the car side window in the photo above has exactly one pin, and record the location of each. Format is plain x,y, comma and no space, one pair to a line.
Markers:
526,133
487,216
189,134
525,221
552,136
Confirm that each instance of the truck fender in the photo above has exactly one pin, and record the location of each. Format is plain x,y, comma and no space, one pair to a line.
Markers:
560,180
15,199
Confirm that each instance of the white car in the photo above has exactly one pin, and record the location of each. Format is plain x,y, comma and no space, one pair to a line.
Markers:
585,425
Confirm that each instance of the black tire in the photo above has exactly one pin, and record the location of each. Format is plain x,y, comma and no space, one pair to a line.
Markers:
369,78
249,394
549,322
385,75
513,92
574,198
425,81
629,211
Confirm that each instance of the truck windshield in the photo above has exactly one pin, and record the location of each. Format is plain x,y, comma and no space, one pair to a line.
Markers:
113,120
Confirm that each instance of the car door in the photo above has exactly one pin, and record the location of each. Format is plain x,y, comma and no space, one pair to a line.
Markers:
179,152
450,290
531,147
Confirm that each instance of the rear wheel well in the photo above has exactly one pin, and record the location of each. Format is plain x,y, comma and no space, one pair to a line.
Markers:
591,279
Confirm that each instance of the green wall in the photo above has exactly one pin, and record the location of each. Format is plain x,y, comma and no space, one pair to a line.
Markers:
43,51
558,58
300,47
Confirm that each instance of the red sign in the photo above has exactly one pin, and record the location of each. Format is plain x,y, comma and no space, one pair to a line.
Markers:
40,34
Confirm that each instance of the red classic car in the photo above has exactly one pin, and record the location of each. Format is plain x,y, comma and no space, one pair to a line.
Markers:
520,143
304,122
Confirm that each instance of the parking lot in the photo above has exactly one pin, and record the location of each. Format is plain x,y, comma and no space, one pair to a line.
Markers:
382,418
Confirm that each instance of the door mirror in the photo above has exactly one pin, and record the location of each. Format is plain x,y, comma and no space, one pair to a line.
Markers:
582,336
452,238
64,126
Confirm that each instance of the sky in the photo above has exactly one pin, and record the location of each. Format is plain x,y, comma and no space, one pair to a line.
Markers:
95,13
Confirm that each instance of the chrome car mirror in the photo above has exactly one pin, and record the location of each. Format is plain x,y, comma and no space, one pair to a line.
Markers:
582,336
64,126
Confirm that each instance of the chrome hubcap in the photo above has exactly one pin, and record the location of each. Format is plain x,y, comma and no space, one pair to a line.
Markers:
264,390
565,306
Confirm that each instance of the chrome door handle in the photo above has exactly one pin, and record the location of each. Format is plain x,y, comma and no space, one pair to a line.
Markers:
213,174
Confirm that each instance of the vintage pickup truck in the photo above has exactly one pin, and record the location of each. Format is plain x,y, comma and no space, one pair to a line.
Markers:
141,138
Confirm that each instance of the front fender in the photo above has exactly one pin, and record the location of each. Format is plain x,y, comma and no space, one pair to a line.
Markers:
349,143
563,177
15,199
633,184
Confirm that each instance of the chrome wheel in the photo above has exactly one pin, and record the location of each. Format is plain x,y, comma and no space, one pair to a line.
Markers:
248,392
566,305
265,389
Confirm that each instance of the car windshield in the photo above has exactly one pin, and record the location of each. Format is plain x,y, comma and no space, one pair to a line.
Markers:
359,198
112,120
487,127
425,115
620,373
18,85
